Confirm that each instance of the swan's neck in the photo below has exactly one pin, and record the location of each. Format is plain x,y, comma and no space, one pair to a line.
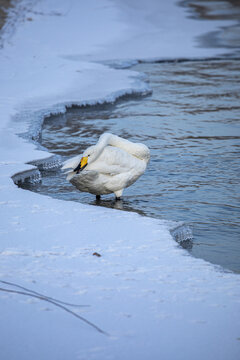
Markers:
140,151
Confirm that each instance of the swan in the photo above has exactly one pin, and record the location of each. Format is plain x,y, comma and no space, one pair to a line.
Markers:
109,166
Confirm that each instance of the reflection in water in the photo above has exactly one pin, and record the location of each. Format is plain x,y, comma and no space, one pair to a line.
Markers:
191,125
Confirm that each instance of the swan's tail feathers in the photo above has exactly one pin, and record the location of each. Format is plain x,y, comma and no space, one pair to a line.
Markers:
71,163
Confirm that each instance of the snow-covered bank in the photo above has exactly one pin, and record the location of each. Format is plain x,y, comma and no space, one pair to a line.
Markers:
150,296
144,291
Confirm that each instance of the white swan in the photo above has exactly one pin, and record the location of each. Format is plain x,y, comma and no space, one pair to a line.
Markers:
109,166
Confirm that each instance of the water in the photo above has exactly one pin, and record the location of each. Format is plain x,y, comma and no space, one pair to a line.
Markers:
191,124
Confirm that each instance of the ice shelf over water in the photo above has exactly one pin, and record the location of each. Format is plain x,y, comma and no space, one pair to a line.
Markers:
152,299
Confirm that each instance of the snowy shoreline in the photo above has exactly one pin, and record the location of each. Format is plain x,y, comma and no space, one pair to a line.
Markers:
144,290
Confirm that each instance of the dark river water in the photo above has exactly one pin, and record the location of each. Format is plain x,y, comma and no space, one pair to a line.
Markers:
191,125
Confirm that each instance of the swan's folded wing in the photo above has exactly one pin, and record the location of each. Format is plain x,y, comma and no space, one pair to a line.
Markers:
113,161
84,179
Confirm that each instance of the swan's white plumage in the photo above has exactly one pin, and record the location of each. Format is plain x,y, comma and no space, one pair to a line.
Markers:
113,164
71,163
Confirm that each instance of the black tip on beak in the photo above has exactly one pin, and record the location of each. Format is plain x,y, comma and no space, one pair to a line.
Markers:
79,168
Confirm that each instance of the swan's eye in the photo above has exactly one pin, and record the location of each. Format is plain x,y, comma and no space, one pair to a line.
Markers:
88,155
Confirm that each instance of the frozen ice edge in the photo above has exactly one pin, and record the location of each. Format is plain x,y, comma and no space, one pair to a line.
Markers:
126,64
39,116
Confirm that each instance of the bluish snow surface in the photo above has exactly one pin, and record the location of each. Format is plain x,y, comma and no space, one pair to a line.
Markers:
152,299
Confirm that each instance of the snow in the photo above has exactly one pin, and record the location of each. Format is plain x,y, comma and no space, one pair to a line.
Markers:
150,297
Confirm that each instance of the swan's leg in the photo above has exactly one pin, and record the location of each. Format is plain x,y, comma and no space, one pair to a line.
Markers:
98,197
118,194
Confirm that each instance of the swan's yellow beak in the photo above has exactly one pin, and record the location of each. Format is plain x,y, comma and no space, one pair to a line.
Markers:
83,163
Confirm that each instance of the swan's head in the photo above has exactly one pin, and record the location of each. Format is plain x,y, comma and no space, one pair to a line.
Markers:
88,157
